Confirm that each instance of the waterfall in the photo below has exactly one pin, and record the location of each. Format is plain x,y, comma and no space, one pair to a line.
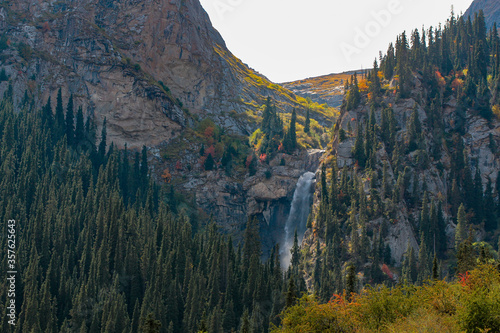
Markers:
297,219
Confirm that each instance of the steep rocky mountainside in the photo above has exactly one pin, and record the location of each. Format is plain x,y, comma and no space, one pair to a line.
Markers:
325,89
267,195
490,8
155,70
428,168
150,67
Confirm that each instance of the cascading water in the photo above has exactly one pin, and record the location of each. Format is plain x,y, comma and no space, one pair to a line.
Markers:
297,220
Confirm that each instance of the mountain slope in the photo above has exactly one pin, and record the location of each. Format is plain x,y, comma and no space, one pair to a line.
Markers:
327,89
490,8
150,67
413,166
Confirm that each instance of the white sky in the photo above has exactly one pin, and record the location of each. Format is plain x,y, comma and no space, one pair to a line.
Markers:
288,40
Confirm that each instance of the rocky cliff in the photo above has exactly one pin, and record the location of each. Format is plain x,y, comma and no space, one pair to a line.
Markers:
231,198
150,68
490,8
427,169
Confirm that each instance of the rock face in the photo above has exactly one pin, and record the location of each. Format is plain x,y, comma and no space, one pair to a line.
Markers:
268,198
491,10
432,170
150,67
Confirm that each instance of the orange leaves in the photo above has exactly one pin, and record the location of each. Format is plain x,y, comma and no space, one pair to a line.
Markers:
464,279
263,158
363,85
210,151
209,132
440,79
387,271
166,176
457,83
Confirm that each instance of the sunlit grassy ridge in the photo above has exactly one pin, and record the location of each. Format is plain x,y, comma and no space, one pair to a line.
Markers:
471,303
325,86
284,98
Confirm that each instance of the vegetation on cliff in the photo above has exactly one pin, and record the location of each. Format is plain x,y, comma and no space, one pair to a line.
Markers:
103,248
407,168
468,304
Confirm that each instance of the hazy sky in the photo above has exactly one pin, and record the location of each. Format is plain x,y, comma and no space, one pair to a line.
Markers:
290,39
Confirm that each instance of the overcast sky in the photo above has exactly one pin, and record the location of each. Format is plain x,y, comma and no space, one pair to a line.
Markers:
290,39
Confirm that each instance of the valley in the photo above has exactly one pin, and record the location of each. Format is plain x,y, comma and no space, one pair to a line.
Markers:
162,185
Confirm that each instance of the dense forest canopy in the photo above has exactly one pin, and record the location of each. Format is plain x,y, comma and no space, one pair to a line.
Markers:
101,247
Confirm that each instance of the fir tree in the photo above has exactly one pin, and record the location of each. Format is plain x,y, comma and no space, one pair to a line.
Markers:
80,127
435,268
351,280
209,163
290,294
294,251
102,145
59,116
462,227
307,124
70,122
359,148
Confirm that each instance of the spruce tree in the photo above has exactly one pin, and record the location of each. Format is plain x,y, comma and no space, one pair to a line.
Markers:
70,122
295,252
307,124
291,296
435,268
80,127
59,116
359,148
462,227
351,280
102,145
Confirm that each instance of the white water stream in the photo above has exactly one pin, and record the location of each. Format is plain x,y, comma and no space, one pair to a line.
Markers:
297,219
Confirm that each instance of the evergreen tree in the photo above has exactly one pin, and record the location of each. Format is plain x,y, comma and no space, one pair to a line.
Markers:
435,268
290,294
70,122
462,227
102,145
290,141
79,129
150,325
351,280
59,117
490,217
409,270
359,148
307,124
353,96
209,163
375,82
465,255
295,252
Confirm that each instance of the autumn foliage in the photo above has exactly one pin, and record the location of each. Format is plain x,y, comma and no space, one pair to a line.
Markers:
166,176
470,304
